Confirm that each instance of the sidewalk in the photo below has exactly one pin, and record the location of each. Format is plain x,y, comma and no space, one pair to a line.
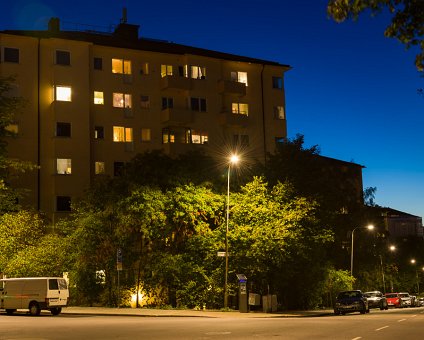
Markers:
149,312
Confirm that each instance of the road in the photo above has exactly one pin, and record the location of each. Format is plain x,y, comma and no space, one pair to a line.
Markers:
392,324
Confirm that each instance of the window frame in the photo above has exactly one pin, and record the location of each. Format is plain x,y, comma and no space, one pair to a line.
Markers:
10,53
62,58
64,127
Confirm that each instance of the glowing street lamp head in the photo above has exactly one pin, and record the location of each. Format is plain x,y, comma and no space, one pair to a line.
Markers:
370,227
234,159
392,248
413,261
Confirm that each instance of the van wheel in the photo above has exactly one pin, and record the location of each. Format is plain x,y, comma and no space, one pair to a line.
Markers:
34,309
56,310
10,311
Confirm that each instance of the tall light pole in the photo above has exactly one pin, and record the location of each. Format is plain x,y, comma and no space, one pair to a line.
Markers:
233,160
369,227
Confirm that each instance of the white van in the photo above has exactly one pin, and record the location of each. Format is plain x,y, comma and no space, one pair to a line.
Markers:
34,294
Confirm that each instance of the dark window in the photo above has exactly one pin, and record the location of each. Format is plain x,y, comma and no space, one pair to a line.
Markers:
63,58
99,132
53,285
63,203
63,129
98,63
118,168
181,71
11,55
198,104
277,83
167,103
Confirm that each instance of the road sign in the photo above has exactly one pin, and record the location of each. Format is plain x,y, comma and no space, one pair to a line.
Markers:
221,253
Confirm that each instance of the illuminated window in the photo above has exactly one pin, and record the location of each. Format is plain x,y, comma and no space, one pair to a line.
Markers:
63,129
122,134
146,135
122,100
176,135
63,93
240,108
277,83
198,104
12,129
63,166
198,72
199,137
99,168
63,203
98,98
144,68
165,70
279,112
99,132
11,55
240,77
121,66
144,102
183,71
63,58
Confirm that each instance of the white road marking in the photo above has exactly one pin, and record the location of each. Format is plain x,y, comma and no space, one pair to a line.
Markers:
401,320
379,329
413,316
359,337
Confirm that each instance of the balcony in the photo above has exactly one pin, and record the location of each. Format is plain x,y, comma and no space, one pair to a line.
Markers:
176,115
176,82
232,119
231,87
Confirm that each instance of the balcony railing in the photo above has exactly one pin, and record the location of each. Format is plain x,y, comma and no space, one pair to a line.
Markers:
176,82
176,115
231,87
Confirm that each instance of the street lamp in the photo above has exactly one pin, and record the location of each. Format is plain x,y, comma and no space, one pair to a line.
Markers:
233,160
369,227
416,276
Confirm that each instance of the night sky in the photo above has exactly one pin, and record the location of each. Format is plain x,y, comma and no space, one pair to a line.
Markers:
351,91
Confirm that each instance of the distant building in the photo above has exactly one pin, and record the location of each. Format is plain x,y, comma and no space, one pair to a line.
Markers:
95,100
401,224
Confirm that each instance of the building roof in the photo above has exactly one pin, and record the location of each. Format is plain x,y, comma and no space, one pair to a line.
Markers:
126,36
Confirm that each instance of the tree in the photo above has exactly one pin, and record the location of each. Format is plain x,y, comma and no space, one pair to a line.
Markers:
407,23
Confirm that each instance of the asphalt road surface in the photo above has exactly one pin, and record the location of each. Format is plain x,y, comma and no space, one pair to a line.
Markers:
392,324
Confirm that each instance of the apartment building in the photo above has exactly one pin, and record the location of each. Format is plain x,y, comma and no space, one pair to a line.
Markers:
94,100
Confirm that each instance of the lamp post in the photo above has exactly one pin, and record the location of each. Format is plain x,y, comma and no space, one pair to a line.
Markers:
233,160
416,276
369,227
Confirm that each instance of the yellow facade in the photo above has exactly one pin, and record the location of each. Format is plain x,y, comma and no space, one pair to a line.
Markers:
94,101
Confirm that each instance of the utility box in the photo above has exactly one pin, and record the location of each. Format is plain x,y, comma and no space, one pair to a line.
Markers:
243,296
269,303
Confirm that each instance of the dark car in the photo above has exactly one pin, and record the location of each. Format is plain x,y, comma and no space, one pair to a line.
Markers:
351,301
376,299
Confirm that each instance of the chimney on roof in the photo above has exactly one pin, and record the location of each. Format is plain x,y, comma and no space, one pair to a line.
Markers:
124,30
54,25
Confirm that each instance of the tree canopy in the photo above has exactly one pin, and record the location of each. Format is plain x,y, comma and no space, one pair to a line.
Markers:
407,24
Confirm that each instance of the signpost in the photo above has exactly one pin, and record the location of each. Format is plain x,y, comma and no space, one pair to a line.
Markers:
119,268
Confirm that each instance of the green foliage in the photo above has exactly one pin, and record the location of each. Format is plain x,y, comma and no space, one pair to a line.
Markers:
407,24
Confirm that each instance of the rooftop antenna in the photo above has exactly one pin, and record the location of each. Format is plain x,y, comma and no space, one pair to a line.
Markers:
124,16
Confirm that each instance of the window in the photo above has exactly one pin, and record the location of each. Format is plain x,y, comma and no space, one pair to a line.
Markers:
63,58
63,166
198,72
63,129
63,93
199,137
99,132
63,203
240,77
144,68
279,112
122,134
145,102
118,168
146,135
198,104
13,129
167,103
98,98
183,71
98,63
277,83
165,70
11,55
240,108
121,66
122,100
99,168
176,135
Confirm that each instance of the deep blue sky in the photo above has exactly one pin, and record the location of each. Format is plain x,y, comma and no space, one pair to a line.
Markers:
351,91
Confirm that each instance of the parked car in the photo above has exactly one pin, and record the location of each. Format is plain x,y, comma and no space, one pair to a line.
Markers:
376,299
351,301
420,302
407,299
395,300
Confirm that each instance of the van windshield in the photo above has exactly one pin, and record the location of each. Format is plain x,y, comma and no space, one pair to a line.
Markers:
62,284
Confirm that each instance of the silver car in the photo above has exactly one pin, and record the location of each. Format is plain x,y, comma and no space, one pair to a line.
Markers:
376,299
